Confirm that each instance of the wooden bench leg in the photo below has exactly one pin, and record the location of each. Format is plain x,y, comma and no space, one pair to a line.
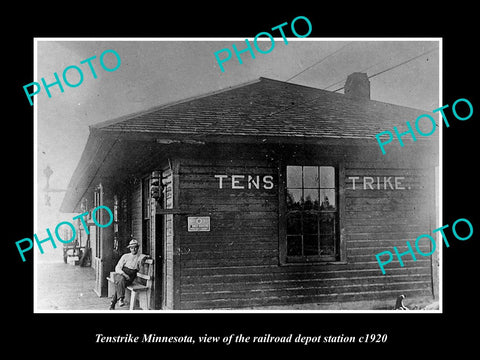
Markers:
111,287
143,299
133,295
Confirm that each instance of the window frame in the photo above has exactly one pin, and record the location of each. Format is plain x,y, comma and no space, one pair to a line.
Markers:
98,201
146,216
340,248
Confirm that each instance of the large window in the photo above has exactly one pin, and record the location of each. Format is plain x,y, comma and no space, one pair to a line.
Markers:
311,213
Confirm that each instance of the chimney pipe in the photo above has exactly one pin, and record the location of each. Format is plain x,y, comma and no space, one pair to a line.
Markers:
358,86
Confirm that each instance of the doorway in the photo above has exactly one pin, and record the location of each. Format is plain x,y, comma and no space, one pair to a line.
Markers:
158,265
158,192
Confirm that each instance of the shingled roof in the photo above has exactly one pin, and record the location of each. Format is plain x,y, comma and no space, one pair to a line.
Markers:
262,111
269,108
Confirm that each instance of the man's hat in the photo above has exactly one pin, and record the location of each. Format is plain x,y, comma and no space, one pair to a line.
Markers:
133,243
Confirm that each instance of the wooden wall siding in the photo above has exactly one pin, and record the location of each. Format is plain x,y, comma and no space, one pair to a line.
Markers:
93,244
243,221
168,226
236,264
168,269
136,207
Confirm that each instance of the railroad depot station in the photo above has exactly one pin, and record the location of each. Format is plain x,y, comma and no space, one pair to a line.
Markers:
246,197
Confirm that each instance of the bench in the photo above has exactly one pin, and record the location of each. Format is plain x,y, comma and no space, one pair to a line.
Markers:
142,291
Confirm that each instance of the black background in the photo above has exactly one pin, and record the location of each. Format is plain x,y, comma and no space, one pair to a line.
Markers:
63,335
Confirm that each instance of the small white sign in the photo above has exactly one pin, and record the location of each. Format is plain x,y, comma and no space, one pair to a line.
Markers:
199,223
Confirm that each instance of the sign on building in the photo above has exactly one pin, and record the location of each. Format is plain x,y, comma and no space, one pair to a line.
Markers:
199,223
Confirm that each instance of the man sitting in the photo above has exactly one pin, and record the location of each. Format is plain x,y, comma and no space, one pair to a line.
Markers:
126,272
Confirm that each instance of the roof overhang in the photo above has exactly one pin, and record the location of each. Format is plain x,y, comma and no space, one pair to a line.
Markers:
115,155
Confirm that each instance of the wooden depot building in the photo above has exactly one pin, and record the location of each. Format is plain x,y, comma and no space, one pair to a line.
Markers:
264,194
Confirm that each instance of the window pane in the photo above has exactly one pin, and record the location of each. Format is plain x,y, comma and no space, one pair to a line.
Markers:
327,223
327,199
294,176
327,245
310,197
327,234
310,245
294,245
310,177
168,197
311,211
310,223
115,208
124,213
294,199
327,177
294,225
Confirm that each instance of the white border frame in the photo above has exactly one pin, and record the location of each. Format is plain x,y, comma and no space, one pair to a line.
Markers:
220,311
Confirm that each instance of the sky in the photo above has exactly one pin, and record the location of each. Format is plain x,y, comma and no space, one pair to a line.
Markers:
153,73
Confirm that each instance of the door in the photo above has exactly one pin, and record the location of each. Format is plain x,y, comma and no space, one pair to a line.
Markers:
97,248
161,235
102,257
158,266
167,237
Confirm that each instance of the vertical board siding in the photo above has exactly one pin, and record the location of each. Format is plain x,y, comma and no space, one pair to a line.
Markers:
236,263
137,211
168,270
